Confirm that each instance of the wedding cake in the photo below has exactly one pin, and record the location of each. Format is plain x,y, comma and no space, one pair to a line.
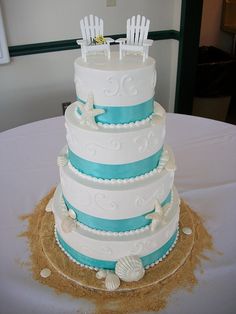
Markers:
116,209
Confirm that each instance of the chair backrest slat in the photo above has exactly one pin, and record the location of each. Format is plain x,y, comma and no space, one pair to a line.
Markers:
137,30
142,31
132,30
91,26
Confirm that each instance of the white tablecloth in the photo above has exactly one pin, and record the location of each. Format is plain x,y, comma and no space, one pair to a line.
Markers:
205,152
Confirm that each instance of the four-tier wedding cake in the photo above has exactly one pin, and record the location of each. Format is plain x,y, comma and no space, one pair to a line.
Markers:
116,209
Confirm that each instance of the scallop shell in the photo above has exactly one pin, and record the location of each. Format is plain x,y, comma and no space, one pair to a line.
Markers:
163,160
72,213
112,282
101,274
68,224
62,161
130,268
49,206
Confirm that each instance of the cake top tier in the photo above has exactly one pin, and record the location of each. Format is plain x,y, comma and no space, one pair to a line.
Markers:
124,89
102,63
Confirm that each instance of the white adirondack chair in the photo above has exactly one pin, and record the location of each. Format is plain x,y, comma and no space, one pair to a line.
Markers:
91,27
136,40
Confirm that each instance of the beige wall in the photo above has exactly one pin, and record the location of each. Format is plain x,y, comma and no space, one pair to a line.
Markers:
211,34
33,87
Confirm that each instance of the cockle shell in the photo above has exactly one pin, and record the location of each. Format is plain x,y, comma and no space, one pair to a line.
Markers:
68,224
62,161
130,268
101,274
112,282
163,160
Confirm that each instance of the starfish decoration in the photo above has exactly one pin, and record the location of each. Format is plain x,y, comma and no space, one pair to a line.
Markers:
88,113
157,216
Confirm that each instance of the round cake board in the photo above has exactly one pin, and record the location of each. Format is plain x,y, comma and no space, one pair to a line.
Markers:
86,278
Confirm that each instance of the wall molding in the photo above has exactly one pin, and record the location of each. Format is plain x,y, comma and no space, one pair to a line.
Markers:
69,44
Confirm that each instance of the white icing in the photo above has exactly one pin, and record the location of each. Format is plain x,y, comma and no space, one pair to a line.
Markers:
112,201
113,248
114,82
113,145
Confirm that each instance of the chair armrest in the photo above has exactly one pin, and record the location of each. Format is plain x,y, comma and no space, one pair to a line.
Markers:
81,42
121,40
109,40
147,42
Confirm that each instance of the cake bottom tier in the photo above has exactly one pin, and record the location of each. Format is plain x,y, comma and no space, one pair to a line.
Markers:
103,250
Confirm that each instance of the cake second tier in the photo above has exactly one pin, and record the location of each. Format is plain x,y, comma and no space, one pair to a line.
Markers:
115,152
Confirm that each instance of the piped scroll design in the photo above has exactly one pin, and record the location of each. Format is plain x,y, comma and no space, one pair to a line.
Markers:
142,201
112,145
146,142
120,87
103,202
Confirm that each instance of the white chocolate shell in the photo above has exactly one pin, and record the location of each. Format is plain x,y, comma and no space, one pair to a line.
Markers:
68,224
101,274
130,268
62,160
112,281
72,213
163,160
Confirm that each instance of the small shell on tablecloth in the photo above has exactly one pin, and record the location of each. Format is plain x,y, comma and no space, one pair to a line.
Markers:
130,268
112,281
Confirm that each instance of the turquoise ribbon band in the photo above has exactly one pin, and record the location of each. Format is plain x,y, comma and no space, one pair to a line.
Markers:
123,114
118,225
123,171
85,260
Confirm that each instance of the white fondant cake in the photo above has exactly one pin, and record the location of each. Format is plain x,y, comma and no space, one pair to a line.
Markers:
116,198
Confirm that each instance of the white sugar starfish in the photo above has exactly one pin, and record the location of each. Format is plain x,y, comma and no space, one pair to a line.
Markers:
88,113
157,216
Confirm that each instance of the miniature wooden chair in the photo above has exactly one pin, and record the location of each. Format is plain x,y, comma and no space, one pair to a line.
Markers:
136,40
91,28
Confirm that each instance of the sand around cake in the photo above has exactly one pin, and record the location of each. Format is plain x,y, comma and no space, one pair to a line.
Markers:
149,294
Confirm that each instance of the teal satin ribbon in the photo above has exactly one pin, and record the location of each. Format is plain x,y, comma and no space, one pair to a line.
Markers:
123,114
85,260
118,225
123,171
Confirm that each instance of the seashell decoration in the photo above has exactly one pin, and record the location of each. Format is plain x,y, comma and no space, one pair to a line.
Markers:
163,160
101,274
187,230
112,281
72,213
68,224
170,165
49,206
62,160
130,268
45,273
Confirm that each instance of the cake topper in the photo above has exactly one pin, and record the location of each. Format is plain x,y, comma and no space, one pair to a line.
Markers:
136,37
92,32
88,113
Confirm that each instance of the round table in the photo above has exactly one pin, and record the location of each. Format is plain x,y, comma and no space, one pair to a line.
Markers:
205,152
